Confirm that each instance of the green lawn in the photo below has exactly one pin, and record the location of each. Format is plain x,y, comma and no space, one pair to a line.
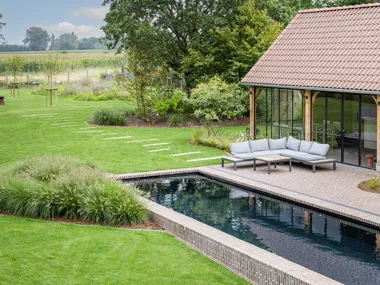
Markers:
40,252
23,135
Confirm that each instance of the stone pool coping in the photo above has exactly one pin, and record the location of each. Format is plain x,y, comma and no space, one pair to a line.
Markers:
251,262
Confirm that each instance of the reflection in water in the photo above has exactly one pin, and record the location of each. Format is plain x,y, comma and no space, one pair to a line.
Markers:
340,251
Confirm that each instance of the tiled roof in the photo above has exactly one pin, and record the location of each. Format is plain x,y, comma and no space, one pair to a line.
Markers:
335,48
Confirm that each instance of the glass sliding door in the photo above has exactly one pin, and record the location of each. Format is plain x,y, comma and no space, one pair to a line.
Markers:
298,113
333,125
351,134
368,128
319,116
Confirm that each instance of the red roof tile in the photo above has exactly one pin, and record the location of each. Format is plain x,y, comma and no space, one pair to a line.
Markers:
325,48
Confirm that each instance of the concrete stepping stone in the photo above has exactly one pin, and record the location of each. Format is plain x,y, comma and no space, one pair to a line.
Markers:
117,138
154,144
205,158
68,123
87,128
185,153
90,131
37,115
157,150
138,141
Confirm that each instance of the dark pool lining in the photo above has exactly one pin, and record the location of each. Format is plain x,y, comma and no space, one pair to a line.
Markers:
316,210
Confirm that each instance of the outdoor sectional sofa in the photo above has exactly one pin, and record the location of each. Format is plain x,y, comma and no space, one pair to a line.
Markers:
311,153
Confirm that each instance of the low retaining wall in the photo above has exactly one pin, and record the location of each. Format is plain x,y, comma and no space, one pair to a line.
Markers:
253,263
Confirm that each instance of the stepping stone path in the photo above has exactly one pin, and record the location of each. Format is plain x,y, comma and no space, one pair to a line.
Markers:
68,123
143,141
202,159
90,131
185,153
37,115
87,128
157,150
118,138
153,144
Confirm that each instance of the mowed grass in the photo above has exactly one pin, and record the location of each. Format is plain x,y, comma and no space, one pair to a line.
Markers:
40,252
24,131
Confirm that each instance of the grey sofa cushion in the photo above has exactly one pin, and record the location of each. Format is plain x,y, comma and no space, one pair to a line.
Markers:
277,144
247,156
305,146
258,145
319,149
301,156
293,143
267,152
242,147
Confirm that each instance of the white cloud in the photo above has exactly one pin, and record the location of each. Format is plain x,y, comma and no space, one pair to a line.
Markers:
95,14
82,31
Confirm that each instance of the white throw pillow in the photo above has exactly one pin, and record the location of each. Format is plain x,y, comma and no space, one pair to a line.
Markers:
293,143
258,145
242,147
277,144
319,149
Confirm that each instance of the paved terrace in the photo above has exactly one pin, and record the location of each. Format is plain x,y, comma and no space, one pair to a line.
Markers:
334,191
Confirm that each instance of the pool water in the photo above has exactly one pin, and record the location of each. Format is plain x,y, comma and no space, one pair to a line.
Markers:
335,248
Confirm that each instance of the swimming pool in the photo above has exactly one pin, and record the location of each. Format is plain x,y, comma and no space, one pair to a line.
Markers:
336,248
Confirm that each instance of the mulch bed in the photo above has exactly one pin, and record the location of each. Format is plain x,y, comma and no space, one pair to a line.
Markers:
148,225
162,122
363,186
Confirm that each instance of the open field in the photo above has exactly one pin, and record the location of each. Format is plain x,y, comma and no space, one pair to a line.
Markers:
40,252
30,128
64,54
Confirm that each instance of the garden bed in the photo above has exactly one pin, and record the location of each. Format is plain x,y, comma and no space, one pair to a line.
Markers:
364,187
136,122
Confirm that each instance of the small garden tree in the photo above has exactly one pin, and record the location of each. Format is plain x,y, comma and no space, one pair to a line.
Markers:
141,74
15,65
51,66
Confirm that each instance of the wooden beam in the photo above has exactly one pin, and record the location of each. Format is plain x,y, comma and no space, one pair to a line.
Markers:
308,118
252,112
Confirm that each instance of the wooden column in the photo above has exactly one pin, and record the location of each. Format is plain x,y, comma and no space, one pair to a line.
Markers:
378,132
307,222
252,112
377,250
308,115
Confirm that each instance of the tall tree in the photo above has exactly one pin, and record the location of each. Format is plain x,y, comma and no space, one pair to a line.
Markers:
284,10
53,42
175,25
1,26
234,49
67,41
36,38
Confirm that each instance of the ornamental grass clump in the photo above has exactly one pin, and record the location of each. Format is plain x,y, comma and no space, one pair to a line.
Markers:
111,117
56,186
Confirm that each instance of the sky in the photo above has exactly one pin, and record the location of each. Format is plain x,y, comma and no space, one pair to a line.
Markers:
83,17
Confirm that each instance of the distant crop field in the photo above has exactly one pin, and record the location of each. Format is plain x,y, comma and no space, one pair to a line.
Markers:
75,53
34,62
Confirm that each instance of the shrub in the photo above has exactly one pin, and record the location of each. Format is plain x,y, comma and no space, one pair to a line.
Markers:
217,100
57,186
112,117
171,102
374,182
176,120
